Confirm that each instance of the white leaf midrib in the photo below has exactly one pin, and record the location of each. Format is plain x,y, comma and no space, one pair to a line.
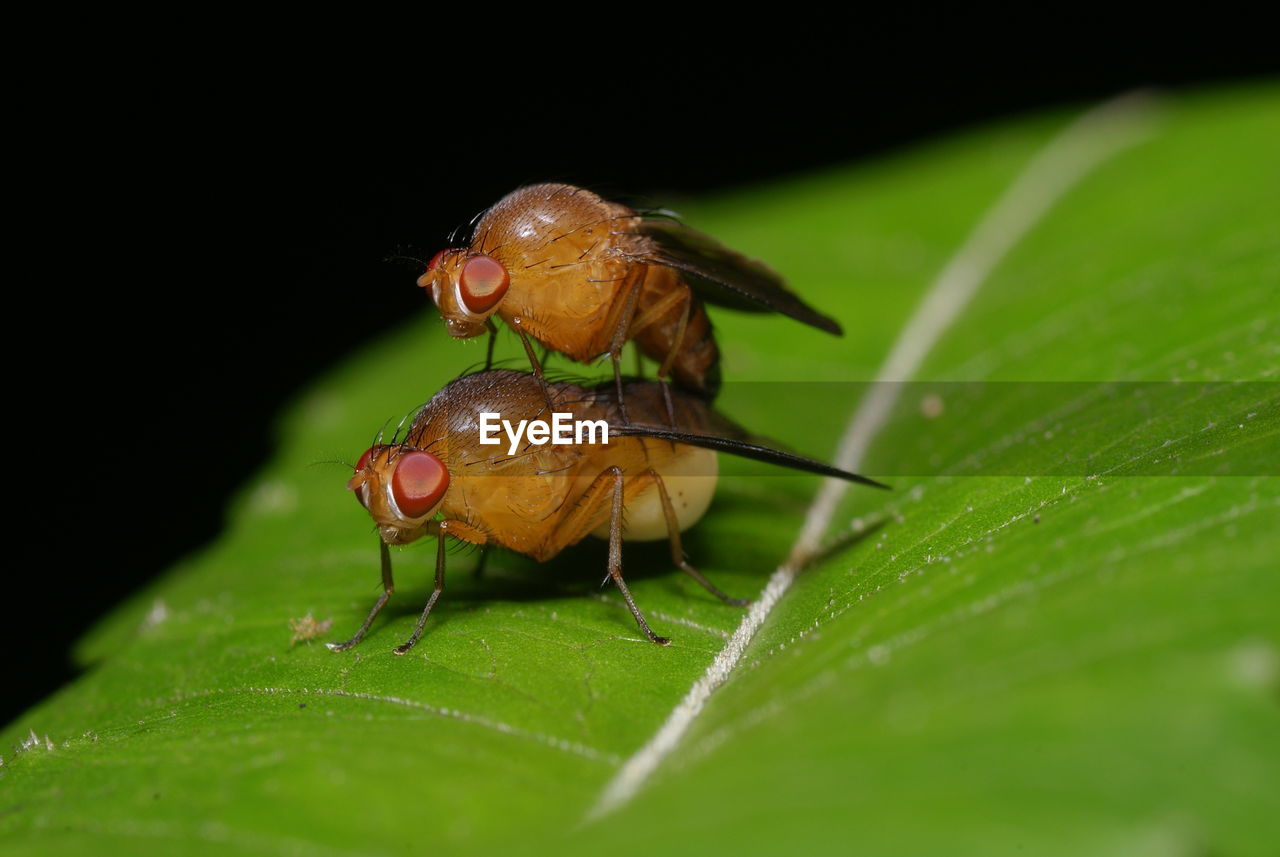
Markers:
1072,154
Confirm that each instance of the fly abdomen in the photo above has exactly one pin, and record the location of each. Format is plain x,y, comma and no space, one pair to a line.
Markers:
673,330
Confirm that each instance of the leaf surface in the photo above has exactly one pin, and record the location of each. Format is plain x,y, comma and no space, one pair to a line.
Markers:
1015,663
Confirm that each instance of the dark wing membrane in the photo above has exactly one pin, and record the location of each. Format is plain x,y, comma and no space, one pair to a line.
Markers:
744,447
672,414
725,277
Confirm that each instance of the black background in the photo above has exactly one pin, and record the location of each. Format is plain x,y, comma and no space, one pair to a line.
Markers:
208,228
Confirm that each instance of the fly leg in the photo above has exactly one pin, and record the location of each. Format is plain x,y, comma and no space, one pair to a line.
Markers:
653,315
388,586
481,564
621,334
582,520
678,340
615,557
677,549
665,369
493,338
516,323
431,602
457,529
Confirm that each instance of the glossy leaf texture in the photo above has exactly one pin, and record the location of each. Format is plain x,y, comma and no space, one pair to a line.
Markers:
1014,664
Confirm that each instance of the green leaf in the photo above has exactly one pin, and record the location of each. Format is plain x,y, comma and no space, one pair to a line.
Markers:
1045,664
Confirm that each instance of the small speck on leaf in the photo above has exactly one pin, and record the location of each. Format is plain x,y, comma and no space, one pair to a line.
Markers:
1254,664
932,406
157,615
307,629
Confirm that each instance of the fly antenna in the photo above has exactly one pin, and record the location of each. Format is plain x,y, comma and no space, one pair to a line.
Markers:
404,257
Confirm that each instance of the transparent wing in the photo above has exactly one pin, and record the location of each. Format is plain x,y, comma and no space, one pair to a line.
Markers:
723,276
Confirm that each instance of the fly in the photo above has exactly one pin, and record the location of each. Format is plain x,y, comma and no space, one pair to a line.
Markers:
659,467
584,276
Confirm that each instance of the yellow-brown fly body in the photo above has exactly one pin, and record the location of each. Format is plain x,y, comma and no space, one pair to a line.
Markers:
658,466
583,276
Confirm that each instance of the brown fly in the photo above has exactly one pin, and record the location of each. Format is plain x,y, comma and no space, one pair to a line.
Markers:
537,497
583,276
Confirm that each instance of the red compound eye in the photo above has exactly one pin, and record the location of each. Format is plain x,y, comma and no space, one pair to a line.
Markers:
483,282
418,483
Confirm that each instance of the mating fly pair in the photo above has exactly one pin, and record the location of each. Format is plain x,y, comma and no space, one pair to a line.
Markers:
582,276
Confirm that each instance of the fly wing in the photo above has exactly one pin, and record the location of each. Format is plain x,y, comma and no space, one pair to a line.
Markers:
722,276
746,449
669,413
700,425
